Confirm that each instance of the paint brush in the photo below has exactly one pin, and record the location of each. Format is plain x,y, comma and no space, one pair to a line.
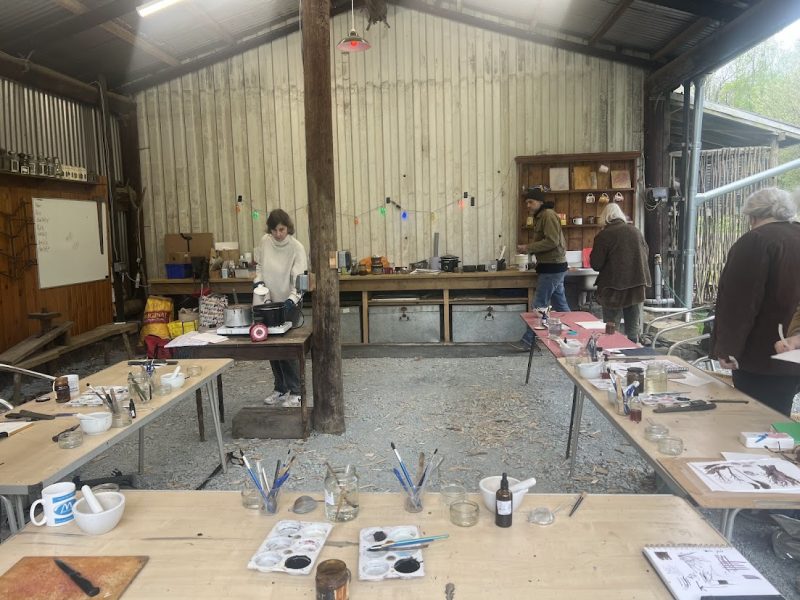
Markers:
388,545
425,472
577,504
255,480
264,480
403,468
405,487
288,465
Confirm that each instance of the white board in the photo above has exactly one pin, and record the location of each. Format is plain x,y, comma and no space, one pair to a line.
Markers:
68,241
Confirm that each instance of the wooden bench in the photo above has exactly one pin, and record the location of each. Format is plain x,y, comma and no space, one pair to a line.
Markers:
103,333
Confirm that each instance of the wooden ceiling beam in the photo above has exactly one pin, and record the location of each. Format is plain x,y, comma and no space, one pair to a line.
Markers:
609,21
711,9
689,33
72,25
131,37
754,26
48,80
516,32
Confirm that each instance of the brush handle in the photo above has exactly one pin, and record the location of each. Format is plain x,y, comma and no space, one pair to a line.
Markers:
405,471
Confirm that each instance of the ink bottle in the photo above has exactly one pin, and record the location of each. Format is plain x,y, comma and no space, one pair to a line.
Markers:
503,504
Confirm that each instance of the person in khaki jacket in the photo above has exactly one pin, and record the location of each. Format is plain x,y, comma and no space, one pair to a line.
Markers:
793,341
550,249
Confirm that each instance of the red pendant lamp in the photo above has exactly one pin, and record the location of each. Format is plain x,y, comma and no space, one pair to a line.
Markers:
353,42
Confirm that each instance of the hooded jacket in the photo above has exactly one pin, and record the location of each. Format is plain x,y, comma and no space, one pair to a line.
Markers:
619,253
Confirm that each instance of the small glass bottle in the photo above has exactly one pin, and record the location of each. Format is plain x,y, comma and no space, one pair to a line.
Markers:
635,409
58,170
13,161
554,328
636,374
23,163
504,504
341,494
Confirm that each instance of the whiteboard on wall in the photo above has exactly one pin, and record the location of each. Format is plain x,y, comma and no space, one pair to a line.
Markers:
69,246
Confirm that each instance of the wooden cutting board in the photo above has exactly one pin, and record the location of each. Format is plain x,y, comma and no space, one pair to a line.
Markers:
39,578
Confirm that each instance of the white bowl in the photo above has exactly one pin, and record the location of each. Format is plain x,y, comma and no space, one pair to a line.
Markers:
95,422
570,347
590,370
174,381
489,487
103,522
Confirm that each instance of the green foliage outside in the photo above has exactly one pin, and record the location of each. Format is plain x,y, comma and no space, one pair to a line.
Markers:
764,81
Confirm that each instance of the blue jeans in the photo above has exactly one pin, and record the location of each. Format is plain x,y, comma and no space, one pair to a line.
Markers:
549,290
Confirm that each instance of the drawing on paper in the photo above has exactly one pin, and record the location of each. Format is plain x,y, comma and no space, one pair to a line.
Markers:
762,475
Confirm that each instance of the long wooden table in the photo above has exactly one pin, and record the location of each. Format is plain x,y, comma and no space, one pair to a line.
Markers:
199,544
30,459
292,345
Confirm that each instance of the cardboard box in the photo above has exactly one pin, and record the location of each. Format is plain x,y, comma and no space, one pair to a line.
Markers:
176,246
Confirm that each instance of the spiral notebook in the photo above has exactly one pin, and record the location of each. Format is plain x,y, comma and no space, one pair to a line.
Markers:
705,572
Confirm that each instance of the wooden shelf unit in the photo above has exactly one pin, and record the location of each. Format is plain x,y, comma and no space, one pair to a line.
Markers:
535,170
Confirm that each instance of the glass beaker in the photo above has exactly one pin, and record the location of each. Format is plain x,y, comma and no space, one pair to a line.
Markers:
554,328
341,493
139,387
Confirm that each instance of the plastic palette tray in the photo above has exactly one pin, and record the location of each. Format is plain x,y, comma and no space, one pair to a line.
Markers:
291,547
388,564
90,398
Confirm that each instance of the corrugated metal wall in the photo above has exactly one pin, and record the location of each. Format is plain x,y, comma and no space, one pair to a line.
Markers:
42,124
435,109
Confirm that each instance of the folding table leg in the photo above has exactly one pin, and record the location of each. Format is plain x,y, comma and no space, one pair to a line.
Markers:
211,392
141,451
571,420
576,427
12,519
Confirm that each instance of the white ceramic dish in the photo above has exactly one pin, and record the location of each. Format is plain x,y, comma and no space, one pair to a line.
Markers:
489,487
389,564
174,381
113,504
95,423
570,347
291,547
590,370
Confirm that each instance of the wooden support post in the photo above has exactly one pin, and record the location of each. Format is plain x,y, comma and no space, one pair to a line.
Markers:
656,161
326,348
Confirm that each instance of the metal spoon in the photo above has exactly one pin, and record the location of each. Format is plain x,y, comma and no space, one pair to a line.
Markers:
304,504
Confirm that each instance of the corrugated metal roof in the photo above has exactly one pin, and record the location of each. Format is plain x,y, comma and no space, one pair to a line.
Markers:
194,28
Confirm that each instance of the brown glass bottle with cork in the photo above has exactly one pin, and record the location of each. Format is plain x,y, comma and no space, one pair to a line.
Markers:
503,504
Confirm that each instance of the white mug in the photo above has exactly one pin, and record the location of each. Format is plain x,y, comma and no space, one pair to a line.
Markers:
57,500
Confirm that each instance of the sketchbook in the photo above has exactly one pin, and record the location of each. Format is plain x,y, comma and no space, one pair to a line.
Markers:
698,572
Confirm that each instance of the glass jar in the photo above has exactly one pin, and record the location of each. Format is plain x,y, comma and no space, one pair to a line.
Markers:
635,409
13,161
656,382
23,163
636,374
554,328
139,387
58,170
341,494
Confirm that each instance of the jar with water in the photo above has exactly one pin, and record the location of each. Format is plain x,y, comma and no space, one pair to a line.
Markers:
341,493
656,380
554,328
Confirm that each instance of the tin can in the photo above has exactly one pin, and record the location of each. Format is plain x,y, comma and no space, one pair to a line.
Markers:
333,580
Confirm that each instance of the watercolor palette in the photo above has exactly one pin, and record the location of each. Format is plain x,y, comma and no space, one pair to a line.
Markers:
388,564
291,547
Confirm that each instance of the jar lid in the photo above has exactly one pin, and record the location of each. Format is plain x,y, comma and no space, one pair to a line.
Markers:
635,370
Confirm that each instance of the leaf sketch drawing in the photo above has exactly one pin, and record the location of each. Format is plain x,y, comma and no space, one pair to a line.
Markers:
735,473
778,477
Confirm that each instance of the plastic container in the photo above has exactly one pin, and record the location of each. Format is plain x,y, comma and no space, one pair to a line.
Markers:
178,270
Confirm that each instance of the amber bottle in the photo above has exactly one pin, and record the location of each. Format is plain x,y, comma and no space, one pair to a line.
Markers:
503,504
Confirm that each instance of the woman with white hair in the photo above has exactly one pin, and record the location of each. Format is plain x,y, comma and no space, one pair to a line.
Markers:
758,289
619,253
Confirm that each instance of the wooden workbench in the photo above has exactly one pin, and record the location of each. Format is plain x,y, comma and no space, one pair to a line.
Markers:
199,544
441,289
31,459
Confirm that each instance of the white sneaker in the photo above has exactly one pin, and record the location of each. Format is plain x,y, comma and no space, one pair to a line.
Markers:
276,397
291,400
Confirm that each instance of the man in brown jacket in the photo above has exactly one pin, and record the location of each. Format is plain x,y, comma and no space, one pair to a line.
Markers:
619,253
759,288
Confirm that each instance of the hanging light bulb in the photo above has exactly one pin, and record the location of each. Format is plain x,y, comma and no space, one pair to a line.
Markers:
353,42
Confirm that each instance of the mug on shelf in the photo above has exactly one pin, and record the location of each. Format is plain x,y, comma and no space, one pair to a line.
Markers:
591,220
618,197
590,198
577,220
604,198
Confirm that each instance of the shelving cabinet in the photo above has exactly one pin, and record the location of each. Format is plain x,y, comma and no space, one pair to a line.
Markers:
571,179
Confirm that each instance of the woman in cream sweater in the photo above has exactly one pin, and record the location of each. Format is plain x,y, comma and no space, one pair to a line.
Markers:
281,259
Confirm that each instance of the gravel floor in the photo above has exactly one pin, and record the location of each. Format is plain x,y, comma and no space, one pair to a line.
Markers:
470,403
